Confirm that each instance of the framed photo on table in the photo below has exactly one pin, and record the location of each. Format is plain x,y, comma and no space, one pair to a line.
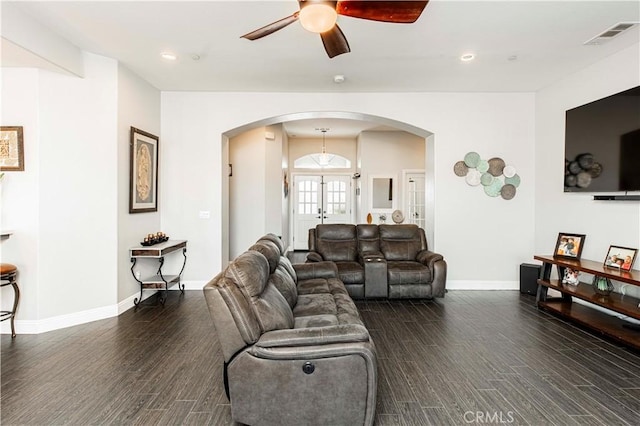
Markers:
143,169
620,258
569,245
11,149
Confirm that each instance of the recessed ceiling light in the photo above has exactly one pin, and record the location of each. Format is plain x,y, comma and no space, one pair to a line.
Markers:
338,79
168,56
467,57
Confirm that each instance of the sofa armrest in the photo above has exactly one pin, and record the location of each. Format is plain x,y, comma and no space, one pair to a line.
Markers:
314,256
428,258
314,336
309,271
438,268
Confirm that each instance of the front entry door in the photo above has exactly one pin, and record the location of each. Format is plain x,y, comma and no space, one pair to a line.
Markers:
319,199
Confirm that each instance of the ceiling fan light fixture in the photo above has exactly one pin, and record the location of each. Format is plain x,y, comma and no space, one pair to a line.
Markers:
318,17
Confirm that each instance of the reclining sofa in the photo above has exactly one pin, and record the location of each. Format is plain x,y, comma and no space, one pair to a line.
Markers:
380,261
295,349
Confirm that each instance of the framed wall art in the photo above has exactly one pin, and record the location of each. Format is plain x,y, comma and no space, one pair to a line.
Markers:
569,245
11,149
143,177
620,258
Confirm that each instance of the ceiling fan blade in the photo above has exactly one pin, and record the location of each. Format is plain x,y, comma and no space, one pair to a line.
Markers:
272,27
335,43
399,12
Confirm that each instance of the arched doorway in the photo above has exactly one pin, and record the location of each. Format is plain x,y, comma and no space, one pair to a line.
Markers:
320,115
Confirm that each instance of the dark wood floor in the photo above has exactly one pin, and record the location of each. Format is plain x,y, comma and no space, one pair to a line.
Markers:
471,358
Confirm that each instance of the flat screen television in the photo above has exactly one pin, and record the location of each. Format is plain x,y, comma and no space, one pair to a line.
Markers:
602,144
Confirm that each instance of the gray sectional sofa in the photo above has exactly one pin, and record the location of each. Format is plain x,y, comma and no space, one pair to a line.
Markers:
295,348
380,261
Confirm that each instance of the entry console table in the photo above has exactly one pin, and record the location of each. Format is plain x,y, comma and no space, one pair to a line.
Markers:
609,325
159,281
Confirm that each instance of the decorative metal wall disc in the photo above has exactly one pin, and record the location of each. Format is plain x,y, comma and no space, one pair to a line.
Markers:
574,168
486,179
493,190
509,171
585,161
513,180
583,179
472,159
508,191
496,165
483,166
460,169
473,177
595,170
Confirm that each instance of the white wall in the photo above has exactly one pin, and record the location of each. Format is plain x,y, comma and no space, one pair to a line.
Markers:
256,199
387,154
557,211
138,106
19,191
78,193
68,204
472,230
247,190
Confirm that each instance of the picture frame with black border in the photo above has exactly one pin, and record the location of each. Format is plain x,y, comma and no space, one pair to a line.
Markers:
569,245
143,172
11,149
620,258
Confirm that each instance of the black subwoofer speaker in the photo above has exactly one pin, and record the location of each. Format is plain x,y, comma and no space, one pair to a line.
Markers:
529,274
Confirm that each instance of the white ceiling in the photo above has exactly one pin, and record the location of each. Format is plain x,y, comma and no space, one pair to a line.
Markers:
520,46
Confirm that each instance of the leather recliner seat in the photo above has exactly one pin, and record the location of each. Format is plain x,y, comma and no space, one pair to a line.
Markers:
393,260
295,348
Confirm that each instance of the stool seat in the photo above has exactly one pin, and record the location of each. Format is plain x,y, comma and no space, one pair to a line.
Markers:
8,274
7,268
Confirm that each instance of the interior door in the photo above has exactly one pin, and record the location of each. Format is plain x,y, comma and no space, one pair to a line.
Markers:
319,199
415,199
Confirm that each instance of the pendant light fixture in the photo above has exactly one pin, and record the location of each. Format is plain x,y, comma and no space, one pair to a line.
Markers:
323,158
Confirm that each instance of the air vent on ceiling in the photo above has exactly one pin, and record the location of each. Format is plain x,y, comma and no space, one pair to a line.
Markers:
610,33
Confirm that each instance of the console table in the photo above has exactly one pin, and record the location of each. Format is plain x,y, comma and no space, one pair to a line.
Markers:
159,281
611,326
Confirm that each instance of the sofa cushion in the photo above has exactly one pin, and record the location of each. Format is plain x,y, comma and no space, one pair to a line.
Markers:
315,321
368,238
400,242
350,272
250,273
407,272
282,273
337,243
285,284
270,251
276,240
315,304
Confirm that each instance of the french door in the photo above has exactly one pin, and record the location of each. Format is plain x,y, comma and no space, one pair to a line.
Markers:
414,184
319,199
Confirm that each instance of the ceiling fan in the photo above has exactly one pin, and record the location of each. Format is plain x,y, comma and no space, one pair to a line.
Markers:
320,17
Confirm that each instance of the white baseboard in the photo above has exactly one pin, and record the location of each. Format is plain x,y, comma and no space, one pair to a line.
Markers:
64,321
191,285
77,318
482,285
61,321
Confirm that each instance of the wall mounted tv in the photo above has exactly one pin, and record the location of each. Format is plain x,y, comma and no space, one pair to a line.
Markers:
602,144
